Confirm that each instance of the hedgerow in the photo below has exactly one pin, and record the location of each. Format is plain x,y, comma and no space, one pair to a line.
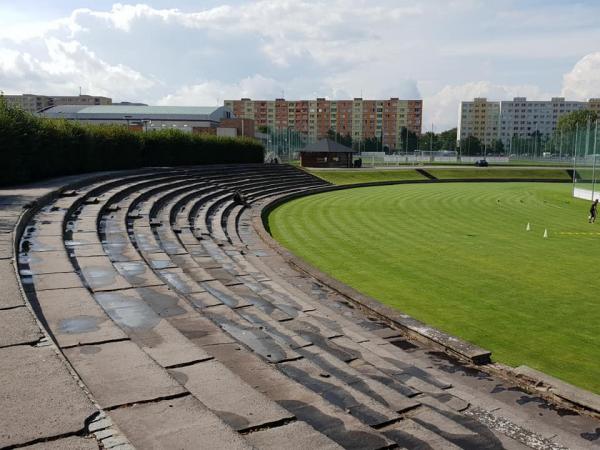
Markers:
34,148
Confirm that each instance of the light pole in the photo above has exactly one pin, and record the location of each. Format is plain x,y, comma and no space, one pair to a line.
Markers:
431,140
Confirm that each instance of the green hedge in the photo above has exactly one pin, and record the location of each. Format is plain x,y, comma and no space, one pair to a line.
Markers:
33,148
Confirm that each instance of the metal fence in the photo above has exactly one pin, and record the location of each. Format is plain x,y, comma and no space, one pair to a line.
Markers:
586,161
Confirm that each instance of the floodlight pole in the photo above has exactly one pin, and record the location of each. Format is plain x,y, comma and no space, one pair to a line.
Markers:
431,140
587,138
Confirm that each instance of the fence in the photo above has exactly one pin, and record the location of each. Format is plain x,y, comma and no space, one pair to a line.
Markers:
377,159
585,145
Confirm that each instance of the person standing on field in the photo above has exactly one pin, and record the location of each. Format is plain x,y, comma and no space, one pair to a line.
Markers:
593,211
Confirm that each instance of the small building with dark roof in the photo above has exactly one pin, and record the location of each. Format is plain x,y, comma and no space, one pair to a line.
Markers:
326,153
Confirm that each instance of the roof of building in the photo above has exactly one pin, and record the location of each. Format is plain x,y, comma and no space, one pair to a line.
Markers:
137,112
327,146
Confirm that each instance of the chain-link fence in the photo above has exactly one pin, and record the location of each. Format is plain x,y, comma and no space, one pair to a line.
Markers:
584,147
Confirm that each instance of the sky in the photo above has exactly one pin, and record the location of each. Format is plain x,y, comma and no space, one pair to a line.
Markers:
203,52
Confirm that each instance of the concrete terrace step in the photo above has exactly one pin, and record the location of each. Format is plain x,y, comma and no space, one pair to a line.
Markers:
182,322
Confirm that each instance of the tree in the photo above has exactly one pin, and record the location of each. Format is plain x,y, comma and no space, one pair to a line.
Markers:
408,140
344,140
263,128
371,145
428,141
471,146
447,139
576,119
497,147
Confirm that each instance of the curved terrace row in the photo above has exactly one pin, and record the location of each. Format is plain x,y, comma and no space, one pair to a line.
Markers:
176,323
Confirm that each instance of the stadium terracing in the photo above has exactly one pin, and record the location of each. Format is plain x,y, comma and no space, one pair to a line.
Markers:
149,309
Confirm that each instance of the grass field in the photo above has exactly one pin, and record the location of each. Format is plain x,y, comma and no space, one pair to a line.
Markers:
367,175
502,172
457,257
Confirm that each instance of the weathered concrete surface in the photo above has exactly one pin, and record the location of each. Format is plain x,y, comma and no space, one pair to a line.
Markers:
119,373
69,443
100,274
10,295
282,339
44,262
74,317
6,246
234,401
293,436
18,327
155,335
39,397
564,390
51,281
182,423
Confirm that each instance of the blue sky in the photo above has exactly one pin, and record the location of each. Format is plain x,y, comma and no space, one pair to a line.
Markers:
201,52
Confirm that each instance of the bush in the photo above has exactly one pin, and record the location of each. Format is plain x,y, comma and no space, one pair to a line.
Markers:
33,148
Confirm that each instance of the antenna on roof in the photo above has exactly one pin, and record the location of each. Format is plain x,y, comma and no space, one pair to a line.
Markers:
80,91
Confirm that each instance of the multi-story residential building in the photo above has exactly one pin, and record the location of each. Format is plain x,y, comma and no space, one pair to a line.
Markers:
519,117
479,118
33,103
361,119
594,105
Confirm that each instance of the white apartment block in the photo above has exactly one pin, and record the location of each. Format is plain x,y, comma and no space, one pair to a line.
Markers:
522,118
519,117
479,118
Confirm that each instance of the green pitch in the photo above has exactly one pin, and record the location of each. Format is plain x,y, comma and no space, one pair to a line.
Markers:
370,175
458,257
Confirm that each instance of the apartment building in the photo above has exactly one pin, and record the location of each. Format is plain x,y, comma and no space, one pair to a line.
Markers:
594,105
361,119
479,118
503,120
33,103
522,118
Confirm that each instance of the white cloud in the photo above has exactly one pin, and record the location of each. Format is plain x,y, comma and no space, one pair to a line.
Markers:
214,92
441,108
66,66
583,81
327,48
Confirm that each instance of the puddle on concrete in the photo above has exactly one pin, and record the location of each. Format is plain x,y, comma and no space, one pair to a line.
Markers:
162,302
161,263
78,324
115,238
90,349
176,280
127,311
130,269
114,251
98,276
